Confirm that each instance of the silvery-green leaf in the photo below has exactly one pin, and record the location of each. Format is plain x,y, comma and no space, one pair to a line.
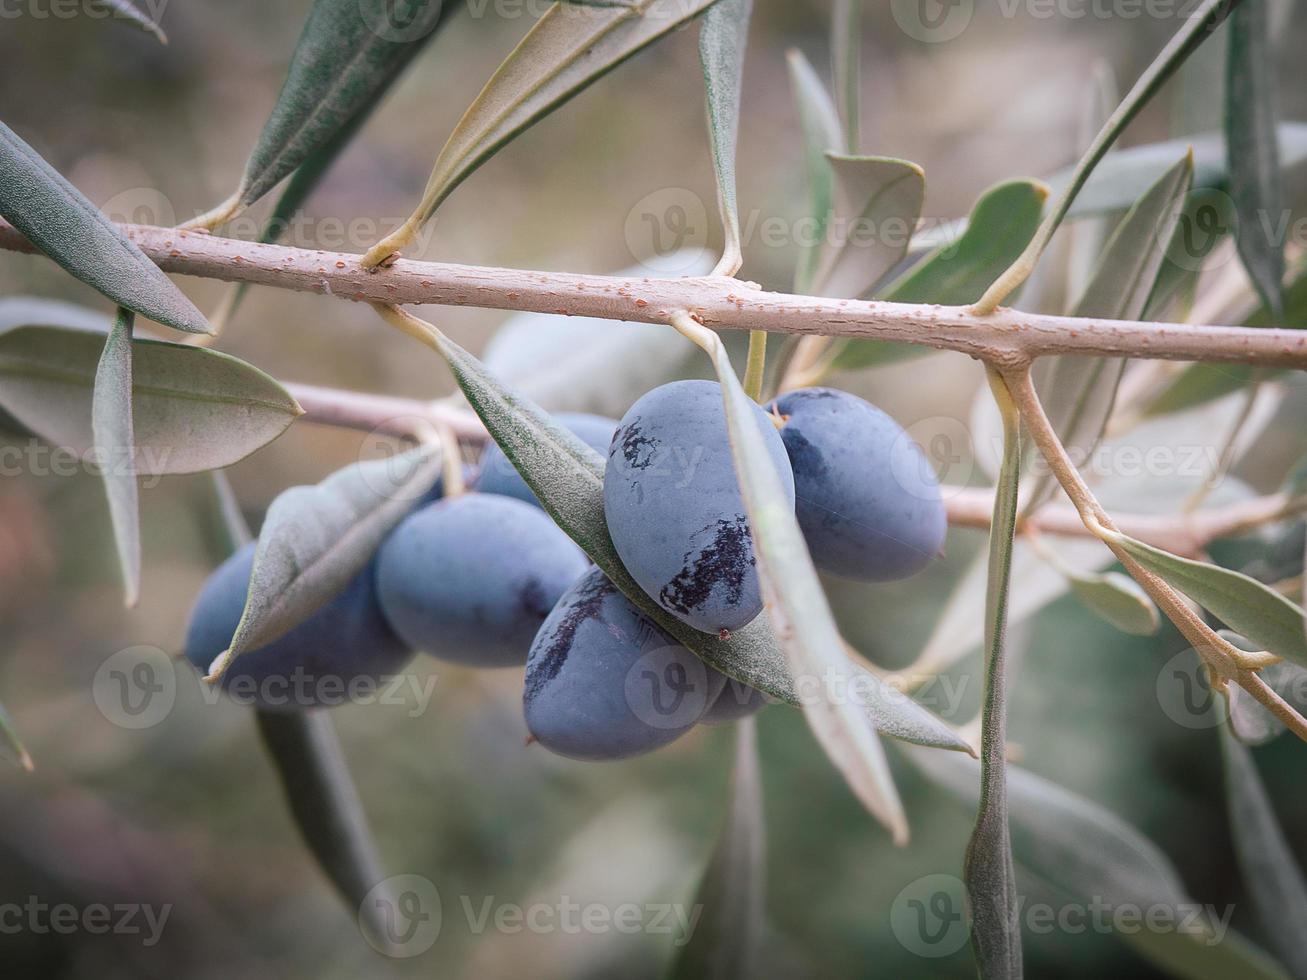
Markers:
111,426
1256,184
1092,856
1269,620
1270,871
1086,238
1119,600
302,183
796,603
957,272
1198,26
11,747
570,47
316,539
1080,392
726,942
819,124
348,55
723,38
193,408
1204,225
326,808
27,311
128,11
846,45
566,476
584,364
877,203
988,870
57,219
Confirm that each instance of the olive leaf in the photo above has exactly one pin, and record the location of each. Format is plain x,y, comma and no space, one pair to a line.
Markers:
1118,599
316,539
1081,391
1204,382
128,11
57,219
723,38
1269,869
877,202
989,874
302,183
11,747
193,409
26,311
1092,856
796,603
727,939
571,46
820,126
846,45
348,55
1256,184
111,427
325,805
566,476
1269,620
1199,25
955,273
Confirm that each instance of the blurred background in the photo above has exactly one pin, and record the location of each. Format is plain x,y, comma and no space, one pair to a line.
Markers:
187,813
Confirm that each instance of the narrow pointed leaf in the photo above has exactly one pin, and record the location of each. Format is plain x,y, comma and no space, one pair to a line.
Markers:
846,43
877,205
819,124
1081,391
305,750
193,409
11,747
301,185
1269,620
57,219
316,539
111,425
796,603
567,477
1270,870
723,39
1092,856
1256,184
1118,599
726,942
957,273
570,47
1199,25
347,57
134,15
989,874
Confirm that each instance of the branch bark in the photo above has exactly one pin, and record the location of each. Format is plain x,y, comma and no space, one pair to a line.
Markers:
1007,338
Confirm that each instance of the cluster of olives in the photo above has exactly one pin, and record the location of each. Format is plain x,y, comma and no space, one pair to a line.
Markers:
487,579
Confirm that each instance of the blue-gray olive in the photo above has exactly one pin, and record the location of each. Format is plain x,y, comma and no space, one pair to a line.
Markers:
470,579
674,509
868,500
605,682
341,649
499,476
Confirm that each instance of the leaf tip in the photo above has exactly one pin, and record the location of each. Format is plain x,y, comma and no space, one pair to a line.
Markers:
218,667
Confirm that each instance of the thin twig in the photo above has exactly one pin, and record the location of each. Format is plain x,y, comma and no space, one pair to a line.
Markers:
1224,661
1007,338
